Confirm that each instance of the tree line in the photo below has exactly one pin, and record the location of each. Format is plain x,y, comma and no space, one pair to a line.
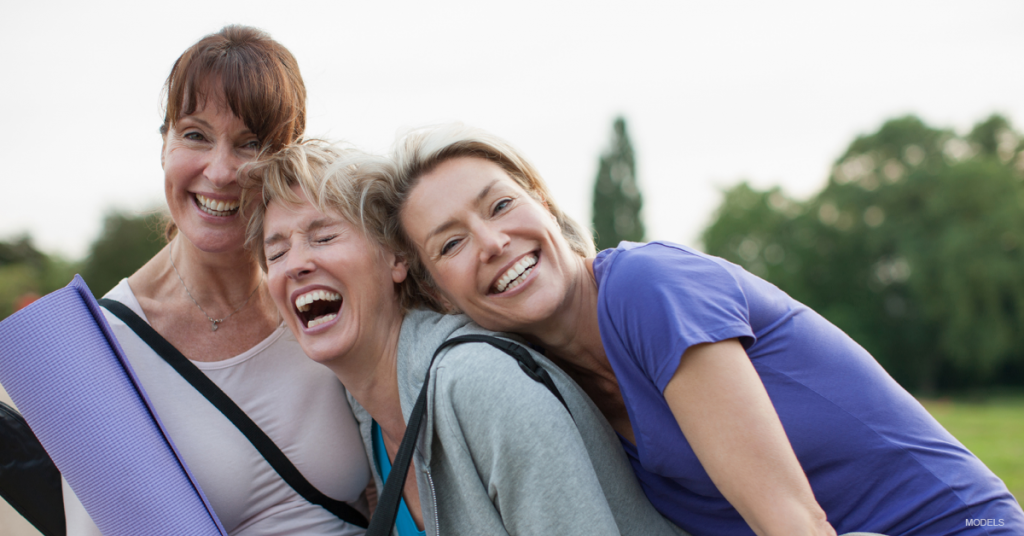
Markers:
126,242
914,247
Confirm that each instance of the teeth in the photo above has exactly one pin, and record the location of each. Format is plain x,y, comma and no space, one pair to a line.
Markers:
216,208
524,266
519,281
303,301
320,320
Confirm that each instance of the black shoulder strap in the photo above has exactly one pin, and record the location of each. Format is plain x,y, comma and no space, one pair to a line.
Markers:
387,506
223,402
520,354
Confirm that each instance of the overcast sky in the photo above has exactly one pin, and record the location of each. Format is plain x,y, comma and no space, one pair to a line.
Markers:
713,92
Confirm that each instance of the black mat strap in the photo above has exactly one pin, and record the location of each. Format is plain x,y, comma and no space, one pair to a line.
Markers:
259,439
387,505
29,481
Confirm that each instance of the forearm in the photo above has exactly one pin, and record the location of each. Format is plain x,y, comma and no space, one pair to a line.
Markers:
726,416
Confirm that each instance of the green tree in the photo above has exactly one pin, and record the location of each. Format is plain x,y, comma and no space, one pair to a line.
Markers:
914,248
125,244
617,198
27,272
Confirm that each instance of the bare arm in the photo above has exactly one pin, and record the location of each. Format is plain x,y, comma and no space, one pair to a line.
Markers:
724,411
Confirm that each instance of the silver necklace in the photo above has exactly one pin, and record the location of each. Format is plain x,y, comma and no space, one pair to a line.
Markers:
213,321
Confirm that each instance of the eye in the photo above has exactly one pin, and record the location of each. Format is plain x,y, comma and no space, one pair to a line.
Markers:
273,257
193,136
253,145
501,205
449,245
325,239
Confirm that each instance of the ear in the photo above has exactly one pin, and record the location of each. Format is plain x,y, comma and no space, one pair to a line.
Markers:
163,151
548,209
399,270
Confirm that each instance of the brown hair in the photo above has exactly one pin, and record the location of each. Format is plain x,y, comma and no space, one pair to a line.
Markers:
419,153
259,77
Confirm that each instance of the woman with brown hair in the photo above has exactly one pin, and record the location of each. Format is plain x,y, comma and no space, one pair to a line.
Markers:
233,95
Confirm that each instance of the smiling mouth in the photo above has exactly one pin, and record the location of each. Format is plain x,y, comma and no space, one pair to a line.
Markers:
317,306
216,208
516,274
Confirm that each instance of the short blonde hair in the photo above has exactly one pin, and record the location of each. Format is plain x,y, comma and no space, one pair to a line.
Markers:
420,152
333,179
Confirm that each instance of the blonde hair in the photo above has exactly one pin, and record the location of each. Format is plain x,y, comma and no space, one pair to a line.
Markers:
333,179
420,152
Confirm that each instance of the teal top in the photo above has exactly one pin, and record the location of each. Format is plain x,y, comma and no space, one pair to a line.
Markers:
404,522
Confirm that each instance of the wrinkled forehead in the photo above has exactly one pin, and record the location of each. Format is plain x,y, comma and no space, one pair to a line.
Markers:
285,216
290,211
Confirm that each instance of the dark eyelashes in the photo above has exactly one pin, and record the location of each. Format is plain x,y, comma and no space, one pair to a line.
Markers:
502,205
251,145
448,246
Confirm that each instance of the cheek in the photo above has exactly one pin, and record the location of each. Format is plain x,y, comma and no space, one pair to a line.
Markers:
456,281
276,285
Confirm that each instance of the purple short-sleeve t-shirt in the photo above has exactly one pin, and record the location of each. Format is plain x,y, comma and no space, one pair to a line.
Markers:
876,460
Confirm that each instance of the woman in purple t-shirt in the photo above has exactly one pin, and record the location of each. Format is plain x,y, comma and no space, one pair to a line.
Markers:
741,410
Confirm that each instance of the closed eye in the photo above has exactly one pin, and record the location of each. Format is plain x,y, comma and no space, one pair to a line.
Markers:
325,239
275,256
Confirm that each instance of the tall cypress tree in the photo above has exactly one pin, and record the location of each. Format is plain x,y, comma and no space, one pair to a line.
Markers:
617,199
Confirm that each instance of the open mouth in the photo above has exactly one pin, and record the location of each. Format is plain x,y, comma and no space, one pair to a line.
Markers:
317,306
216,208
516,274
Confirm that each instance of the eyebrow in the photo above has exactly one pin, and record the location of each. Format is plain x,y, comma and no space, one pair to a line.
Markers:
452,221
206,125
314,225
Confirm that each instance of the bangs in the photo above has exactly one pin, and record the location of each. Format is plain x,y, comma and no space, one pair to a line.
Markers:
261,86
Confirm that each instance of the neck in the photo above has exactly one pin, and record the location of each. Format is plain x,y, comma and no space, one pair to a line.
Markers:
370,373
220,281
572,336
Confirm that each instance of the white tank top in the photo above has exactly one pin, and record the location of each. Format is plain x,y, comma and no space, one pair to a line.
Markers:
299,403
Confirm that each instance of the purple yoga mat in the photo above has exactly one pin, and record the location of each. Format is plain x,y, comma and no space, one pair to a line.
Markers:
63,367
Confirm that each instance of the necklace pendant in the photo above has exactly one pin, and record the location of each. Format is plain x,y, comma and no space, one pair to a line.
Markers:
213,325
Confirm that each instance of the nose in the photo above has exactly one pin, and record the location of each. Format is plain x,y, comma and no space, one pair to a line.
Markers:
491,240
223,165
299,263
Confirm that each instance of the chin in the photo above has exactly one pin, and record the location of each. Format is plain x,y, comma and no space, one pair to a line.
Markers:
323,354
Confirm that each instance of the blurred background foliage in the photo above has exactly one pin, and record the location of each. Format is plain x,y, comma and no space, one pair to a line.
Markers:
125,244
914,247
617,197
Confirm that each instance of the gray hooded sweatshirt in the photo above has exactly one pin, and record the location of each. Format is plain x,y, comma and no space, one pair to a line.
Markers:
499,454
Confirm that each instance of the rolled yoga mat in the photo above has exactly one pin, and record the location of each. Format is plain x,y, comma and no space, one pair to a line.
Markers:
62,366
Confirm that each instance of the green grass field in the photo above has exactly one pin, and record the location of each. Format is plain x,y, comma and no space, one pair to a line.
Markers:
992,429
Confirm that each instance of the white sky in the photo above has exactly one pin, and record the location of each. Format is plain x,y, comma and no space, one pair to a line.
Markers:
713,92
